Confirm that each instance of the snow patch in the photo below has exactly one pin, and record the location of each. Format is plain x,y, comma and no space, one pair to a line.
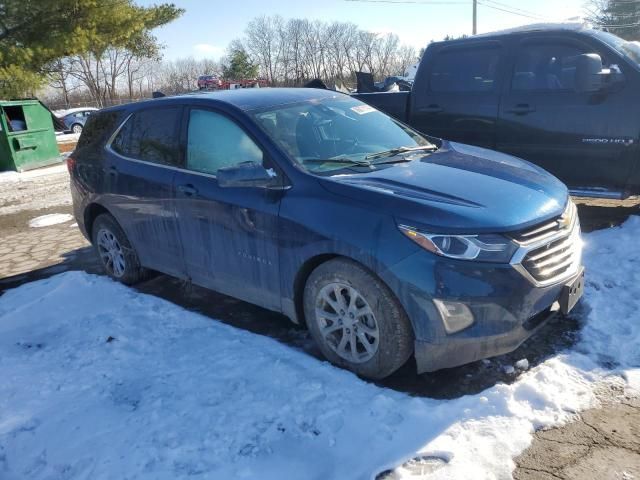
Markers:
67,137
31,174
50,219
102,381
34,189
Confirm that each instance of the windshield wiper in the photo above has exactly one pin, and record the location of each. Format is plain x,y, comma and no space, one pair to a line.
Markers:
346,161
399,150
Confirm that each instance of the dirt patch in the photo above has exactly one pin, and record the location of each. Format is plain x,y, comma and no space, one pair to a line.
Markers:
597,214
601,444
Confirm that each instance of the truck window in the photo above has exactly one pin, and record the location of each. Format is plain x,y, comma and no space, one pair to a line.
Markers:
546,67
469,70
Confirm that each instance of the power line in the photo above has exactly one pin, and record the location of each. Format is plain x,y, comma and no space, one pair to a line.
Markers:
513,12
630,25
415,2
492,4
515,9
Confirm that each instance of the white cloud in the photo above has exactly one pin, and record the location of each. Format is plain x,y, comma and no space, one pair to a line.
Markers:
206,49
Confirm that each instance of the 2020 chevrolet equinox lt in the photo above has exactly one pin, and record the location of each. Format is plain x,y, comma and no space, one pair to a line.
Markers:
385,243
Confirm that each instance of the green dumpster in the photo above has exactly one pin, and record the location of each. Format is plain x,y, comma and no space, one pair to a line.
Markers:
27,139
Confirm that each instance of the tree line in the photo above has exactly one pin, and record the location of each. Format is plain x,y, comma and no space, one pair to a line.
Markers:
285,52
88,57
291,52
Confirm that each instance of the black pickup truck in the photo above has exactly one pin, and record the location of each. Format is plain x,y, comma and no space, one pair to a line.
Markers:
563,96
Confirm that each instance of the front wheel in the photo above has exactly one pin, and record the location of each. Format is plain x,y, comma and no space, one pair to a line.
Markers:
118,258
355,320
77,128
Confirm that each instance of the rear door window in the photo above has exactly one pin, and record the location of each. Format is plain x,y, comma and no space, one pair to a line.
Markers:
473,69
151,135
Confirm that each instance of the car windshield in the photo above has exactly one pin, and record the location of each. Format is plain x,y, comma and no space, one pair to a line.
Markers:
630,50
329,135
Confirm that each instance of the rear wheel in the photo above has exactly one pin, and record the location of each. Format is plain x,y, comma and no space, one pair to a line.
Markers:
118,258
355,320
76,128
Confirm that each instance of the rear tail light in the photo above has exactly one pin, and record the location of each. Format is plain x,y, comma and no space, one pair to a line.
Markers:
71,164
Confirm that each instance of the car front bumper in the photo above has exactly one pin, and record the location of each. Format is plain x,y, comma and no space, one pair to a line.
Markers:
460,351
507,308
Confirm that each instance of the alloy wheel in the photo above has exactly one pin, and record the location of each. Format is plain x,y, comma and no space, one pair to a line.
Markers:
111,253
347,323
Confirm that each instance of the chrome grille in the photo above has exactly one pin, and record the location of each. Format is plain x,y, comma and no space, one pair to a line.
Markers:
552,251
549,229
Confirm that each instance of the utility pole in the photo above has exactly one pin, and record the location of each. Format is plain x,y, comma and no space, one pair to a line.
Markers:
475,17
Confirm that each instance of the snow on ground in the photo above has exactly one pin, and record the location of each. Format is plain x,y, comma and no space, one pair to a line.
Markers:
15,177
67,137
50,219
34,189
101,382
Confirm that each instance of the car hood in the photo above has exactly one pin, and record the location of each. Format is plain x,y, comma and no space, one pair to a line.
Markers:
459,188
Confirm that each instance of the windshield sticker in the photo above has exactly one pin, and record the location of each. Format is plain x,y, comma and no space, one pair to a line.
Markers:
362,109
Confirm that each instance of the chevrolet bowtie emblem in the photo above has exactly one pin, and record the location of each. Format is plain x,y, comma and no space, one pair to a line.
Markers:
564,221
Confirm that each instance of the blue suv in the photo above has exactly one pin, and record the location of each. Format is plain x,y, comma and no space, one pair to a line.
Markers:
384,242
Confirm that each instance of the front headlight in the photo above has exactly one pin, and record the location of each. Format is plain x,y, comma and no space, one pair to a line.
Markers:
484,248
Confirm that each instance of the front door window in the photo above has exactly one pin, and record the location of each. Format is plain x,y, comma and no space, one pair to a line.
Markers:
216,142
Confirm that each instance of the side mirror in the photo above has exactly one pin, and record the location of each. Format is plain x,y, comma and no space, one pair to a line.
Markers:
247,174
589,73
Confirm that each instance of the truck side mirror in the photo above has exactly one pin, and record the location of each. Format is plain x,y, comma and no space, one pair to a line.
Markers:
589,73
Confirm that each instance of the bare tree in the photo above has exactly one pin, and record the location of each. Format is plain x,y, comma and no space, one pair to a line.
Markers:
60,79
288,52
621,17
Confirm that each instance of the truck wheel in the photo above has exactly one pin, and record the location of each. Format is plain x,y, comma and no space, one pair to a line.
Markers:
355,320
116,254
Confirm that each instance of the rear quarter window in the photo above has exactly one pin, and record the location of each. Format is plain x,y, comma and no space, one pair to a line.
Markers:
151,135
98,128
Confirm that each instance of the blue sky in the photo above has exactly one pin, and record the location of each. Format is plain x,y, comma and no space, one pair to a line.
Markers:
207,26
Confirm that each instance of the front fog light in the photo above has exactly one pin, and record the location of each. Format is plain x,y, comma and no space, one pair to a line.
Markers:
456,316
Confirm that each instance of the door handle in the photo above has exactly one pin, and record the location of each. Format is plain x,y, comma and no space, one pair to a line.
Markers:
112,171
433,108
188,190
522,109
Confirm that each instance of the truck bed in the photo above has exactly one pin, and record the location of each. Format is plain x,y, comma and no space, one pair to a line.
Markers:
395,104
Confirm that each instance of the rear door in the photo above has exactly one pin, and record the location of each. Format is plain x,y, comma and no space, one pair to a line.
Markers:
229,235
139,170
459,96
582,138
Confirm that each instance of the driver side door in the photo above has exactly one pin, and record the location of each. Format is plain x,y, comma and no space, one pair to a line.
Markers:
229,235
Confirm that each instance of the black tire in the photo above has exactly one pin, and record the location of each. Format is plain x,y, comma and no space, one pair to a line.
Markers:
394,332
76,128
132,272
